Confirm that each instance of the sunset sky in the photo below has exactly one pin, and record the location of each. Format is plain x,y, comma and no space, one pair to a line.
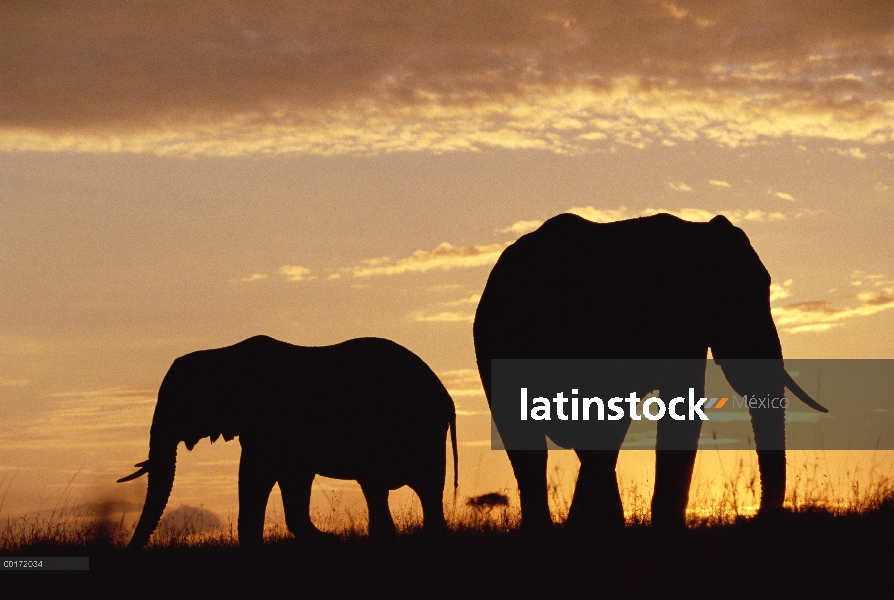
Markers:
179,176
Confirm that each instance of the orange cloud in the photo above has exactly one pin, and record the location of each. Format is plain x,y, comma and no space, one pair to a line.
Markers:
462,382
781,195
678,186
444,257
780,292
444,317
520,227
449,316
823,315
295,272
250,278
362,76
687,214
86,421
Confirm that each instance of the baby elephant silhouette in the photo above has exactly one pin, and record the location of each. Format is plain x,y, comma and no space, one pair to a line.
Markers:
365,409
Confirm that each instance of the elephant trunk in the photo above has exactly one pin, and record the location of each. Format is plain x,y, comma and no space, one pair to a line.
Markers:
764,379
161,465
769,439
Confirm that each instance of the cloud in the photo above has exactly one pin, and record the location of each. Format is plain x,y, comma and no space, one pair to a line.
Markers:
295,273
443,317
822,315
780,292
851,152
462,382
520,227
448,316
444,287
720,183
473,299
783,195
360,76
444,257
83,421
860,277
598,215
679,186
250,278
687,214
14,382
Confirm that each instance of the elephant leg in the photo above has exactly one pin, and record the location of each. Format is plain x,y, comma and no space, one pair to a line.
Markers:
256,479
597,501
529,467
295,488
381,525
675,453
431,496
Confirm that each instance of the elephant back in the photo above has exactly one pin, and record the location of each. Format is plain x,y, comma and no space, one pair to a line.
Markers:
359,398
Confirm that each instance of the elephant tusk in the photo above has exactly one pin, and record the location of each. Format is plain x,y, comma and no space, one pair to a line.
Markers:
144,468
134,475
802,395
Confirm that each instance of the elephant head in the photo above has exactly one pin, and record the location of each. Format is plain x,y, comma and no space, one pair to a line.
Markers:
742,328
184,413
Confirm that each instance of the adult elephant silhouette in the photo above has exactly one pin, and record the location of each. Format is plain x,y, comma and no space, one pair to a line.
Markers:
365,409
653,287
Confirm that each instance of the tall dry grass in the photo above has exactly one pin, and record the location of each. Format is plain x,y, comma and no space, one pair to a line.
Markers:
68,524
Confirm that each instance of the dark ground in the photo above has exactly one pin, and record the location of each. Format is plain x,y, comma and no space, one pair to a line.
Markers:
806,555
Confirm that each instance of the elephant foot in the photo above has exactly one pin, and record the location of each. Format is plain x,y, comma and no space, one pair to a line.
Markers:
250,538
536,529
384,534
250,547
668,522
311,536
772,515
593,529
435,531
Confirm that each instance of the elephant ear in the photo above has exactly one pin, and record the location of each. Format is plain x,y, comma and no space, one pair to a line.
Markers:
739,287
230,416
213,398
